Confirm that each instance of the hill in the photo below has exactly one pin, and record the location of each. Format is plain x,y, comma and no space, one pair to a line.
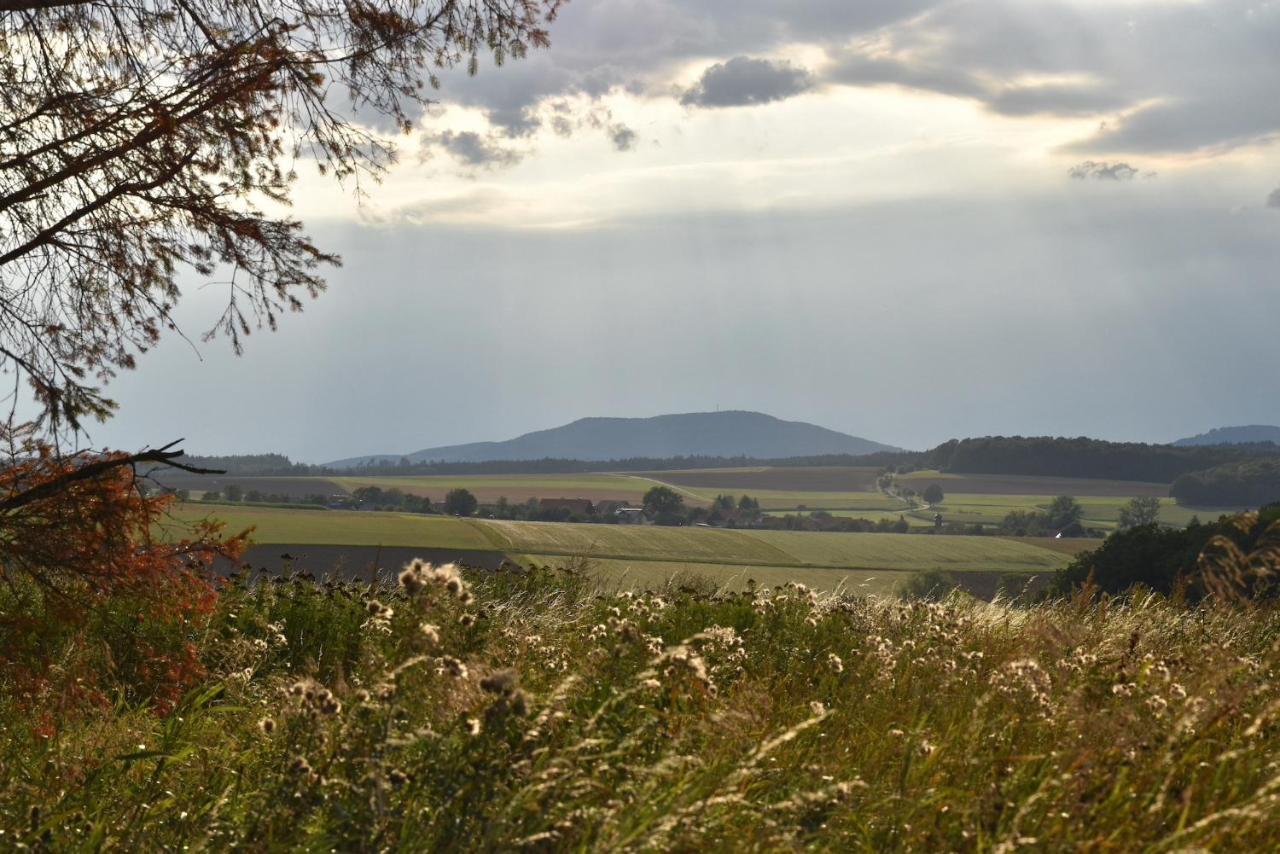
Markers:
1046,456
711,434
1248,435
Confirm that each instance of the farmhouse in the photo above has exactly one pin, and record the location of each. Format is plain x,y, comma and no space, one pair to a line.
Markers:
576,506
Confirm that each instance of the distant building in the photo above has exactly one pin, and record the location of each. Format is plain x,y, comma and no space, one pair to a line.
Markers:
610,507
575,506
631,515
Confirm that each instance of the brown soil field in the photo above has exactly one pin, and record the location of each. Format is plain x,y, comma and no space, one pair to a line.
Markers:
1013,484
294,487
1067,545
353,562
809,479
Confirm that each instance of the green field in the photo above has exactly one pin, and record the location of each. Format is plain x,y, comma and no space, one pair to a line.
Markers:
1099,512
514,487
826,559
783,500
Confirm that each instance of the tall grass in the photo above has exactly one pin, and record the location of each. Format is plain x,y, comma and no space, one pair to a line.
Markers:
527,712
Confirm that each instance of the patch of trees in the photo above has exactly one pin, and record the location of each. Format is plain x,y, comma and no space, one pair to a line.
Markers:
821,520
250,464
1083,457
460,502
1248,483
1064,516
1237,554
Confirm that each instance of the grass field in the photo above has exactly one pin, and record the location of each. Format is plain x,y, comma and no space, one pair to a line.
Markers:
516,488
799,479
1012,484
1099,511
781,501
776,556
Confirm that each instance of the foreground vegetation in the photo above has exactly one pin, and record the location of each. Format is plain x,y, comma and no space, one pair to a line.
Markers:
524,711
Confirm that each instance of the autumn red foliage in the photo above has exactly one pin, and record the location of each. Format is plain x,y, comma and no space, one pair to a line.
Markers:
98,597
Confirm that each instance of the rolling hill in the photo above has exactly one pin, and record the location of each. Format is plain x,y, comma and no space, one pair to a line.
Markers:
719,434
1247,435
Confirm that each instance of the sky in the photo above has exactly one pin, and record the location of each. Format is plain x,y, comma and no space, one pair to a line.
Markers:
908,220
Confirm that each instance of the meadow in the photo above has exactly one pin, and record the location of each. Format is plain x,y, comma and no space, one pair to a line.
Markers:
536,712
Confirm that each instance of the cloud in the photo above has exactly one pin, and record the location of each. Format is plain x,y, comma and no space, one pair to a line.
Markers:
743,81
1161,76
1104,171
622,137
1273,200
1156,70
471,149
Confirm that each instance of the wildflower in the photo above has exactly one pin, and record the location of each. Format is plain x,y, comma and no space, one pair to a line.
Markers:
473,726
834,662
467,620
454,667
430,633
397,778
411,579
817,708
300,766
267,725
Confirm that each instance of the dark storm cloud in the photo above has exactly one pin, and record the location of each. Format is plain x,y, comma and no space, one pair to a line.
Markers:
622,137
1104,171
1166,77
743,81
1162,77
472,149
628,45
1055,100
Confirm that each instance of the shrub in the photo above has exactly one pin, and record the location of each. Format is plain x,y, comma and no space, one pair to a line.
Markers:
92,602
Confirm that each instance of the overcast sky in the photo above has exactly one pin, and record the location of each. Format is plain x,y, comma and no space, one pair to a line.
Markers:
903,219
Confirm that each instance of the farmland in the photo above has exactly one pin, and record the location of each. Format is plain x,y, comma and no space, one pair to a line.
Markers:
827,560
515,488
1010,484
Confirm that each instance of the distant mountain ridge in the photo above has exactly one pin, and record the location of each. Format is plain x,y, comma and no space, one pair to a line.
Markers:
1247,435
710,434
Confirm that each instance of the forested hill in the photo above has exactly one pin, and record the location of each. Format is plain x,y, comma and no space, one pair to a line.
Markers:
1083,457
1251,434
